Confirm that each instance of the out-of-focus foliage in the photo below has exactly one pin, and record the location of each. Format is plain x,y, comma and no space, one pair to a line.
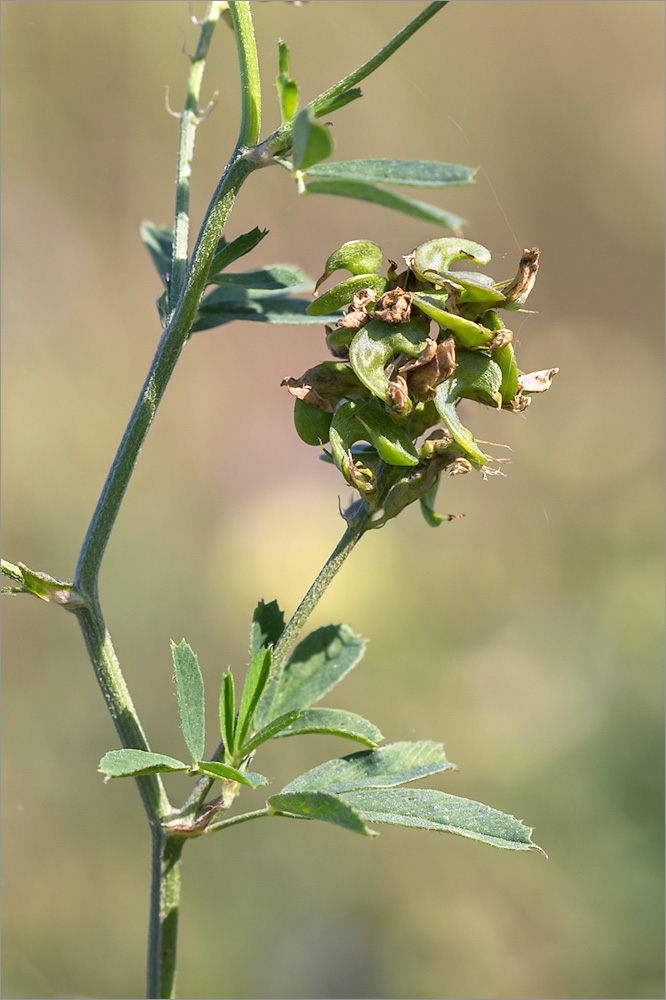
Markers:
550,699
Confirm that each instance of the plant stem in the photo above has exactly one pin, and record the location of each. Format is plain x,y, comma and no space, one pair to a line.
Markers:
279,142
164,904
283,646
120,706
189,120
176,333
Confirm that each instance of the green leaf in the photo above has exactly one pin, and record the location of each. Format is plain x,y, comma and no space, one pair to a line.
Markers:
255,682
395,764
269,732
429,809
373,193
311,142
335,103
267,626
224,772
342,294
130,763
190,691
318,805
270,281
378,341
412,173
286,87
290,312
227,253
228,712
317,664
334,722
158,241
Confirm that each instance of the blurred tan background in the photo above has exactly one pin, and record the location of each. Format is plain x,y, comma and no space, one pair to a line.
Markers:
527,636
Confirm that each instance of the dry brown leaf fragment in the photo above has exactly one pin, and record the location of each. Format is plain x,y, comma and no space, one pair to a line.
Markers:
460,467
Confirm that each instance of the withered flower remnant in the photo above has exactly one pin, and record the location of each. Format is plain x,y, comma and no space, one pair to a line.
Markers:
410,346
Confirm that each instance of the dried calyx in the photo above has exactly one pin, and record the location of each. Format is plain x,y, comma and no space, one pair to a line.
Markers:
409,346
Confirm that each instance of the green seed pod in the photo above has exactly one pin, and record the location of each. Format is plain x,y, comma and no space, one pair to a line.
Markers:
312,425
435,256
342,294
356,256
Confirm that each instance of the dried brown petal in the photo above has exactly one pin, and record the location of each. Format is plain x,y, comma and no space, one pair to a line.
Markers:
537,381
522,284
298,388
501,339
424,379
394,306
398,394
519,403
460,466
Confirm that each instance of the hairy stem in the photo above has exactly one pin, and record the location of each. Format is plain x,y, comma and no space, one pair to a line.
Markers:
163,923
121,709
190,118
285,643
352,535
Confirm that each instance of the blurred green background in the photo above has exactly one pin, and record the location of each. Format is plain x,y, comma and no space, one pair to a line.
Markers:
527,636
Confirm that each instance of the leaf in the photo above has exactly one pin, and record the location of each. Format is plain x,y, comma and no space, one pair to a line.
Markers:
392,765
228,712
190,691
287,88
158,241
413,173
316,665
318,805
227,253
311,142
291,312
267,626
269,281
429,809
333,722
224,772
364,191
255,682
335,103
269,732
130,763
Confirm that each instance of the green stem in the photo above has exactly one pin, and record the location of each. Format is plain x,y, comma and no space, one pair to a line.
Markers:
163,923
380,57
283,646
249,70
120,706
279,142
352,535
189,120
235,820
